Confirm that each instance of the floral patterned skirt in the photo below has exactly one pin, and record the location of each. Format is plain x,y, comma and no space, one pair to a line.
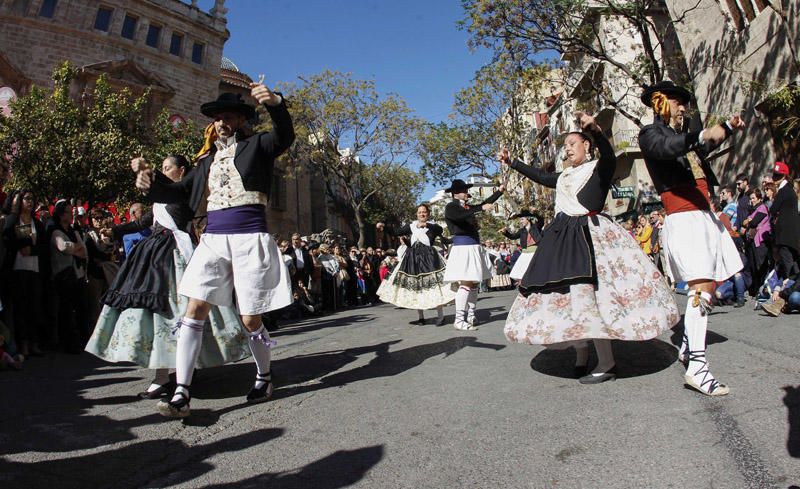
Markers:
145,338
632,302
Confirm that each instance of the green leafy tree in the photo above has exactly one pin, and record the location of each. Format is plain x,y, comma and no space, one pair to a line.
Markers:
359,140
490,226
525,32
489,114
63,147
397,201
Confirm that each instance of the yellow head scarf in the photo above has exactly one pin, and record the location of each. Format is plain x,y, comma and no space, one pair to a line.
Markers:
209,136
660,104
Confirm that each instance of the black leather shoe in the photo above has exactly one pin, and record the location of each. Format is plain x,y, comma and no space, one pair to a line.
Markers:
418,322
156,394
599,379
262,394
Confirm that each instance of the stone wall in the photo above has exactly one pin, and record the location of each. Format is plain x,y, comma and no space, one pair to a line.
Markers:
33,44
725,58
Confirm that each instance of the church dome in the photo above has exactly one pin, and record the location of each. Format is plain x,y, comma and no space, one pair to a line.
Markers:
227,64
230,74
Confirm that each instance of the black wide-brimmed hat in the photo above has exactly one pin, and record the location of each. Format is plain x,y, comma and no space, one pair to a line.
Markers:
228,102
458,186
667,88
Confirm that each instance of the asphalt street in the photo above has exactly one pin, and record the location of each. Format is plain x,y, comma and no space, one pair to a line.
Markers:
365,399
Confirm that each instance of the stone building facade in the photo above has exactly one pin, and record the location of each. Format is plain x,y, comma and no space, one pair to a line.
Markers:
170,46
738,52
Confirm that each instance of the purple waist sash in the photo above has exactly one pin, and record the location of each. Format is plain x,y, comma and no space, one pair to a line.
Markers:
464,240
243,219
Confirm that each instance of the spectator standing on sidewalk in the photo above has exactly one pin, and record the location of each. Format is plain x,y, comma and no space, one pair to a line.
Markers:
26,247
786,233
67,261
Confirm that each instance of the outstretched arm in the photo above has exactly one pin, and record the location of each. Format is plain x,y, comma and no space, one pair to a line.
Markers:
282,135
538,175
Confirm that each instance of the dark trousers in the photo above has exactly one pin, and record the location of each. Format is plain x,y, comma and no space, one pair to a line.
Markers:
786,262
73,315
329,292
26,294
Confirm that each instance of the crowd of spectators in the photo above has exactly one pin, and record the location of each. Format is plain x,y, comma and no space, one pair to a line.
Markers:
56,261
58,258
767,236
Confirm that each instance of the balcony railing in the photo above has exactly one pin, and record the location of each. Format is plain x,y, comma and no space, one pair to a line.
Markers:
626,138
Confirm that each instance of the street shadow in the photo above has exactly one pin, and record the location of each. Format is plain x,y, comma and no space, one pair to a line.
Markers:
68,431
49,413
130,465
792,402
315,324
390,363
633,359
236,380
488,315
306,373
342,468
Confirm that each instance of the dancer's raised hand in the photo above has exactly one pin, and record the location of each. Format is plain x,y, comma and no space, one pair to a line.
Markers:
586,122
263,94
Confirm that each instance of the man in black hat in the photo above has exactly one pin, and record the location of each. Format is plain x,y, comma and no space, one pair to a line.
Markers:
697,247
468,262
236,257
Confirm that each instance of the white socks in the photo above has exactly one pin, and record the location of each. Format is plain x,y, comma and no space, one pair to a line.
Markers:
461,306
421,314
260,346
190,339
472,302
605,357
695,322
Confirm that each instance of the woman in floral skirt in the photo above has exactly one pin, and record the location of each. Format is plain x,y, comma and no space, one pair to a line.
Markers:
142,303
588,280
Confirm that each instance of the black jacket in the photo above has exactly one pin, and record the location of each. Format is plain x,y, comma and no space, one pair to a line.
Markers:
14,243
461,220
665,152
134,226
254,159
433,231
522,235
785,220
308,263
743,209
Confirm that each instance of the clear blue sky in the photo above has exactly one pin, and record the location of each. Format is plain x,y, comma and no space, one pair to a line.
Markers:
411,47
